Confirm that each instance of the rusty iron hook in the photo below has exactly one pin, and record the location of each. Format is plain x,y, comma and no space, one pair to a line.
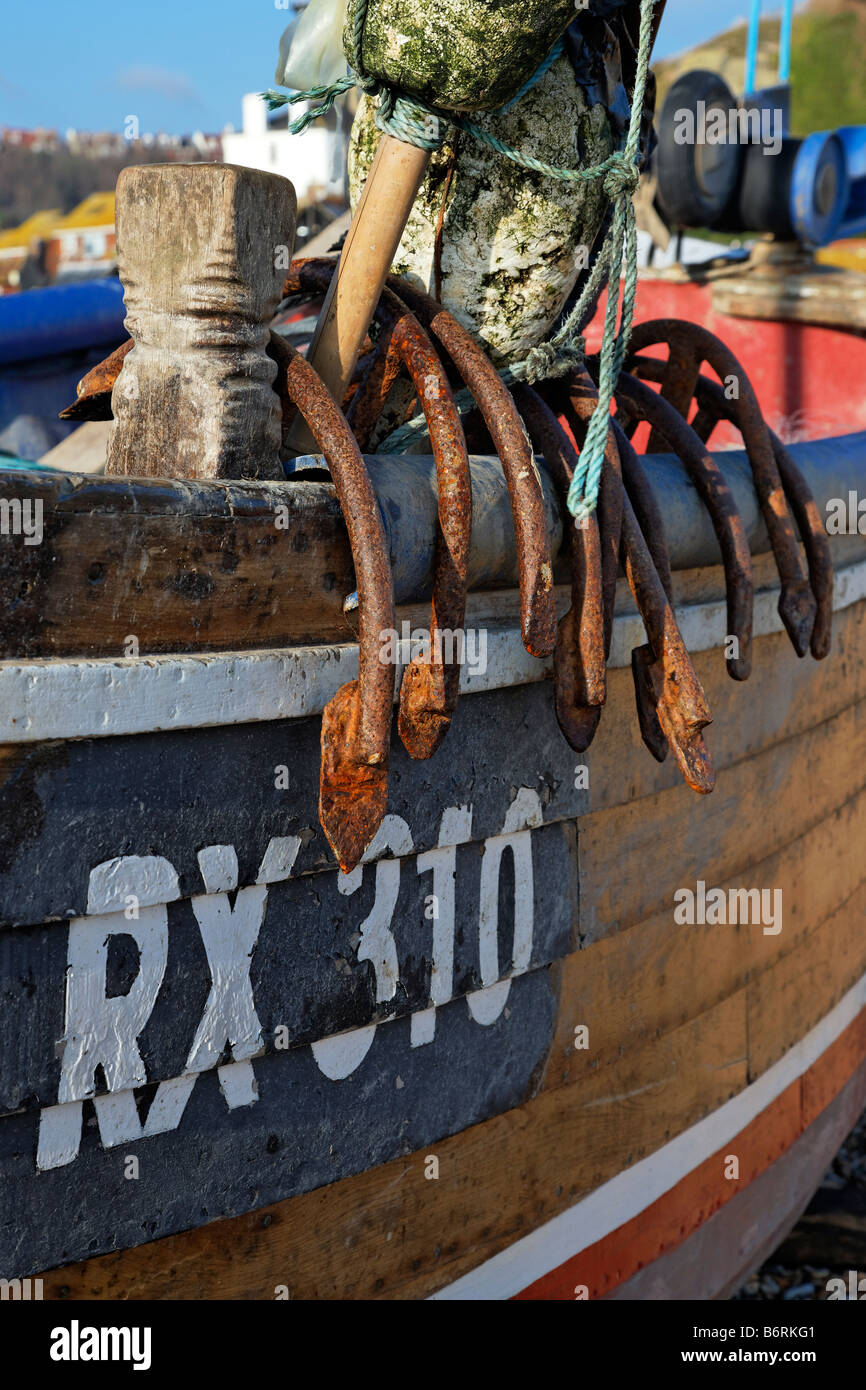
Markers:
645,404
535,570
713,406
356,723
430,687
580,673
690,345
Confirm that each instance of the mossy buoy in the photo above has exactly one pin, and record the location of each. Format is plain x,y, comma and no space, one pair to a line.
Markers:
510,241
463,55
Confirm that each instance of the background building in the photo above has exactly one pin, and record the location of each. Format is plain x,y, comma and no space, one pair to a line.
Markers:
314,161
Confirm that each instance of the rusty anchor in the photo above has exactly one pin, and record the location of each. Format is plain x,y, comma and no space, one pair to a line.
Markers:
690,346
429,689
580,673
672,708
627,529
713,406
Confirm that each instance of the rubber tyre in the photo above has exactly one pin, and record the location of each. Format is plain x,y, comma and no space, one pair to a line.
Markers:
695,182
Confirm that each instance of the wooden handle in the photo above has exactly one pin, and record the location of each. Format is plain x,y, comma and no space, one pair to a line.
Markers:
368,251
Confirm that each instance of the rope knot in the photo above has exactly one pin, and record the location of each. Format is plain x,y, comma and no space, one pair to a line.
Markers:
410,121
539,362
370,85
622,177
550,360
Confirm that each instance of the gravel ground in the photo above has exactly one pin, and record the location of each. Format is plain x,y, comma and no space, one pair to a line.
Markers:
829,1239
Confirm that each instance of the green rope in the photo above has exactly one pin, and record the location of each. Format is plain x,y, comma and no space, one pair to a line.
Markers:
419,123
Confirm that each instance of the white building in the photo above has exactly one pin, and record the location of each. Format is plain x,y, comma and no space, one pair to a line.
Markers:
314,161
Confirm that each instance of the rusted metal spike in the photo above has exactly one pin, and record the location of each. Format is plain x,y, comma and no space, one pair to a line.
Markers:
535,570
713,406
579,662
817,546
704,422
429,692
356,723
369,400
678,387
710,483
279,351
680,703
642,662
646,508
93,392
670,702
353,794
430,688
578,404
797,606
806,514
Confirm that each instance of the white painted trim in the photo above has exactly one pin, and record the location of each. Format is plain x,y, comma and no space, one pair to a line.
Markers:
631,1191
59,699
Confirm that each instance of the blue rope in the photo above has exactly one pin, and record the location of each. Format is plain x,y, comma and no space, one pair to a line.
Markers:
419,123
556,52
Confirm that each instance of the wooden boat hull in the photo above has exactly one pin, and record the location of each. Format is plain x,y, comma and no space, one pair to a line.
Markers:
304,1122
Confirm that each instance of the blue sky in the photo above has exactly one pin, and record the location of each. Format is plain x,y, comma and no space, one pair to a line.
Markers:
181,65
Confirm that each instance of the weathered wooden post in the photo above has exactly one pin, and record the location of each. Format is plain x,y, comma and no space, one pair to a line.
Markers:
202,251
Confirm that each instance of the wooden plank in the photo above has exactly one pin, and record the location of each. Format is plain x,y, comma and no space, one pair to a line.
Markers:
170,794
306,971
592,988
830,297
635,985
789,998
665,970
246,1133
121,556
144,802
391,1232
664,1224
109,696
617,1090
836,1080
556,1143
176,568
759,804
214,1152
782,699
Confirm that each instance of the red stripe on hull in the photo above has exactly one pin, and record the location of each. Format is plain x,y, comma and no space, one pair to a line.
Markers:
666,1223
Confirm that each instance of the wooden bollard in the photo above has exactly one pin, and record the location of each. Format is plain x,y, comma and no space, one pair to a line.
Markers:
202,251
